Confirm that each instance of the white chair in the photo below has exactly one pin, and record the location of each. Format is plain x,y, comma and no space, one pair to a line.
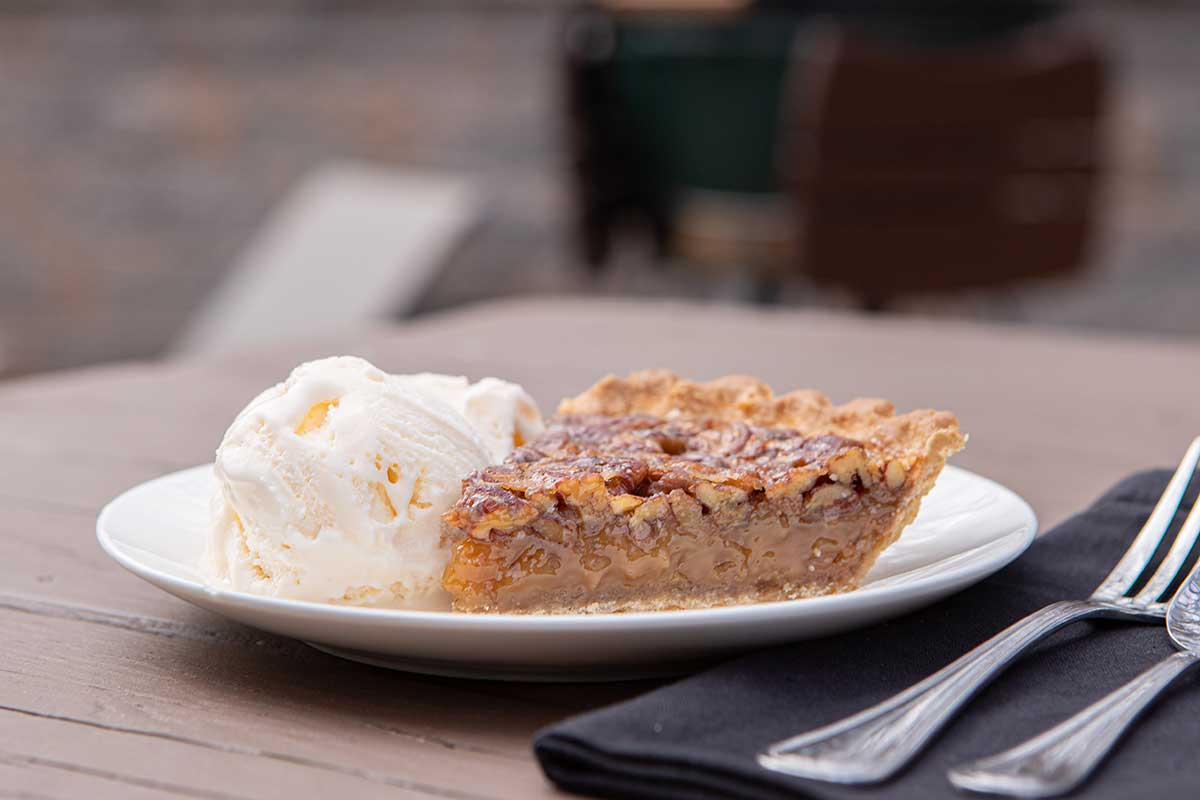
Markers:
351,243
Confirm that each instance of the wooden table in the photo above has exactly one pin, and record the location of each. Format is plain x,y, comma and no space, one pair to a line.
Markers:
110,688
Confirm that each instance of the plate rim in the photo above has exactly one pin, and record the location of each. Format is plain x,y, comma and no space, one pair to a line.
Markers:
1021,539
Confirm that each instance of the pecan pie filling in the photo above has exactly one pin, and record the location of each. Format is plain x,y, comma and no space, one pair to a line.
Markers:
654,493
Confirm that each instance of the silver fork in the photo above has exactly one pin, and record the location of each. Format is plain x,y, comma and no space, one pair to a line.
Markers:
874,744
1062,758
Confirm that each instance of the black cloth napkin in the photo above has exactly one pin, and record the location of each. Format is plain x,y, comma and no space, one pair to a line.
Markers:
698,738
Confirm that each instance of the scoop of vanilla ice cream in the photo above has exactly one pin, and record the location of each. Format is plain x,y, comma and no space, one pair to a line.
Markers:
331,485
501,413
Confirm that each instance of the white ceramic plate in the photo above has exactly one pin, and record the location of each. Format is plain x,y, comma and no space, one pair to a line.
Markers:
968,528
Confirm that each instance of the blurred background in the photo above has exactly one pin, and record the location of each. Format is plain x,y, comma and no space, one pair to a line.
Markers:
192,177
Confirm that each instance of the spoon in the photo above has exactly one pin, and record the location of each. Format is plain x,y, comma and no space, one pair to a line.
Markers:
1057,761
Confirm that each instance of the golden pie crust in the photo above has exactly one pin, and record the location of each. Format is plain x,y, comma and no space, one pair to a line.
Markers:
652,492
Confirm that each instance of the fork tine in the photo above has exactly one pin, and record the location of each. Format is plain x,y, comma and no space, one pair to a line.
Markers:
1170,566
1138,556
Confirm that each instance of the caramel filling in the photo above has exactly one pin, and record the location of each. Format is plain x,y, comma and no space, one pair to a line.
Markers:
822,543
637,512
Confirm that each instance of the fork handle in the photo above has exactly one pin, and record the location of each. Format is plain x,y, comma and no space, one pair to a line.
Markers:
1060,759
874,744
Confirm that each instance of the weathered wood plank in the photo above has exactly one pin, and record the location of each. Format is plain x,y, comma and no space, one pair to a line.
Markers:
33,778
181,768
261,701
425,699
53,555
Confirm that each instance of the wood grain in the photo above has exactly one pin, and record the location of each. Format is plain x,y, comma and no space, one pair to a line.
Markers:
111,688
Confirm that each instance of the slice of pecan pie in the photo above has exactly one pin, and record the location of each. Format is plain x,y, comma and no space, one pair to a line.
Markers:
652,492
